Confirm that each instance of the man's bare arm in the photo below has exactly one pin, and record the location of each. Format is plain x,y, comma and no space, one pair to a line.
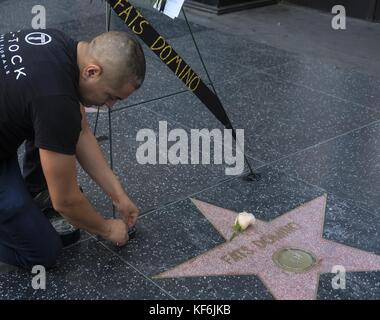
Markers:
60,174
93,162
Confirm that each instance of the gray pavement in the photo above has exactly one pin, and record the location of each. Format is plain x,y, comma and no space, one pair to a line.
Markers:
305,31
308,99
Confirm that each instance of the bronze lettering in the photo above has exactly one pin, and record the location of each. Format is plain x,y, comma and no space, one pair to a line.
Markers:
155,42
127,12
163,50
141,27
119,3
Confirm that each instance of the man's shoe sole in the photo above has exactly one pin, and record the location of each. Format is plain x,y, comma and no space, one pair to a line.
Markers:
68,233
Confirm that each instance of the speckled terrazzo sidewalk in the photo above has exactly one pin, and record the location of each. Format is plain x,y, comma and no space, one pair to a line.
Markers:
312,129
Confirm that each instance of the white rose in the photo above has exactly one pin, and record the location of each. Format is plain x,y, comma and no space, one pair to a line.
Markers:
244,220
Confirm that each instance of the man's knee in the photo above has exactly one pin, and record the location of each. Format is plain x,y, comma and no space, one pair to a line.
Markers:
34,239
46,255
52,255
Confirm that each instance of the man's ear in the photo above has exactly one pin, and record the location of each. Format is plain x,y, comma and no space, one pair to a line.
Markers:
92,71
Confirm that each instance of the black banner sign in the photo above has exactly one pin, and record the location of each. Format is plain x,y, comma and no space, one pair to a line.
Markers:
143,29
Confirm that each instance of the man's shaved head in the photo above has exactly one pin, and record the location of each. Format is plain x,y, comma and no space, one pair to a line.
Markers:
111,67
120,56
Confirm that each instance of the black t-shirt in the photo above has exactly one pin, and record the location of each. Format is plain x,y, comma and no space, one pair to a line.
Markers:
39,91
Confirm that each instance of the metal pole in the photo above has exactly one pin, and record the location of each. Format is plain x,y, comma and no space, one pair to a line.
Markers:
251,175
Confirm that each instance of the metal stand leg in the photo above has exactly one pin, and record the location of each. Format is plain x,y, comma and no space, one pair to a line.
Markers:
108,24
252,176
111,150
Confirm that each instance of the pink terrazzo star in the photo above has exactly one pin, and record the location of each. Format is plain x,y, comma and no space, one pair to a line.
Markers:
251,252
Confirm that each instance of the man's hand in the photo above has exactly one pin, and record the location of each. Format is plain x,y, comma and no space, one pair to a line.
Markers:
127,209
117,232
60,173
93,162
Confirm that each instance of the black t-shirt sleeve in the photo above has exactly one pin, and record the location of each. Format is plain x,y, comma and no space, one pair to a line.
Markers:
56,123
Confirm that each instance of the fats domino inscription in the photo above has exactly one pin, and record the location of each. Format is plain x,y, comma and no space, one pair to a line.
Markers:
136,22
260,244
159,46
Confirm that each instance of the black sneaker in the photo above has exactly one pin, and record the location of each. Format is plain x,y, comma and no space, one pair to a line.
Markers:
67,232
43,200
